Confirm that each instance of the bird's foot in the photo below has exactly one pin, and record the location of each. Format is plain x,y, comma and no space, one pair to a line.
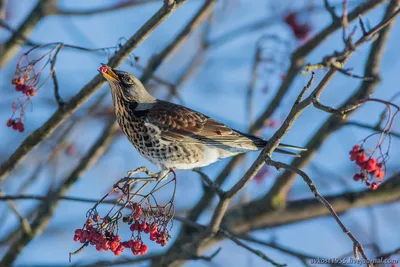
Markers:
129,180
142,169
162,175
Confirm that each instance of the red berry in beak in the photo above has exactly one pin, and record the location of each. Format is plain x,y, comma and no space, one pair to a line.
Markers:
103,69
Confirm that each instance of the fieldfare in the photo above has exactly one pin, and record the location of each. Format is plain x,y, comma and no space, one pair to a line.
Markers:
172,136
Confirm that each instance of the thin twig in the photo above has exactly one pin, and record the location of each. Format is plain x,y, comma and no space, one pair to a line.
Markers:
59,100
356,244
258,253
97,11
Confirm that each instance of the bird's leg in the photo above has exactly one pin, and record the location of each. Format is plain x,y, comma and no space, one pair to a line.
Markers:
142,169
129,180
162,175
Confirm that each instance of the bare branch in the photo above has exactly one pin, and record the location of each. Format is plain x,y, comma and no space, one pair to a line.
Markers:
370,127
279,190
357,245
10,47
96,11
156,60
59,100
331,10
34,139
258,253
47,208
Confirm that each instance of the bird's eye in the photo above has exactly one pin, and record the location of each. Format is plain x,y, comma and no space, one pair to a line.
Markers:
127,80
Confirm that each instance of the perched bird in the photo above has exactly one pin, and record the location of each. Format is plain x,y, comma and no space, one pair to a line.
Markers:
172,136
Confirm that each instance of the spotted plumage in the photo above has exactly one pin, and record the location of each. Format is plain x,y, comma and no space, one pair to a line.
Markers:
172,136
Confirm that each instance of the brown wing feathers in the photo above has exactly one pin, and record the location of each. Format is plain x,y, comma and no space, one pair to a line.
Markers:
190,126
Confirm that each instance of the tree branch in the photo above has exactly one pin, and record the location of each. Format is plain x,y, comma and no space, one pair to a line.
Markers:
101,10
10,47
47,208
277,194
35,138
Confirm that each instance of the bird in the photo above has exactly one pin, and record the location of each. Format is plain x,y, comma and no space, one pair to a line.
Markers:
172,136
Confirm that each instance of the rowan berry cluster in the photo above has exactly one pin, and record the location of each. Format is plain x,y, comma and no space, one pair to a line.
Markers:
300,30
144,216
101,232
370,167
27,76
103,241
152,223
25,88
24,84
16,125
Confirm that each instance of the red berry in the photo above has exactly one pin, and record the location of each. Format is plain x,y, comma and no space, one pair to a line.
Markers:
143,249
116,238
153,236
290,19
353,156
114,245
153,228
374,186
76,238
106,245
137,245
136,253
357,177
99,248
10,122
356,148
376,171
32,92
143,226
361,158
19,80
20,87
103,69
134,227
301,31
371,165
381,174
119,250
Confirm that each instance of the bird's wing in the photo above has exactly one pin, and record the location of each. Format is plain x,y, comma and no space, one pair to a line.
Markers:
180,123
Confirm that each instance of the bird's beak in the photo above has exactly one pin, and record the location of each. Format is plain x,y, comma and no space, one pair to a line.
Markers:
108,73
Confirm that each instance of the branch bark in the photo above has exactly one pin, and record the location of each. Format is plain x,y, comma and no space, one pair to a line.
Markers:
47,208
43,132
278,192
11,46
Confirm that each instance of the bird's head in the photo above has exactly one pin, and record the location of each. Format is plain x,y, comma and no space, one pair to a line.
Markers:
125,84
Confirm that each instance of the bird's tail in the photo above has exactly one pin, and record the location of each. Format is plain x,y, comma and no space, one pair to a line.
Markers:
282,148
284,151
